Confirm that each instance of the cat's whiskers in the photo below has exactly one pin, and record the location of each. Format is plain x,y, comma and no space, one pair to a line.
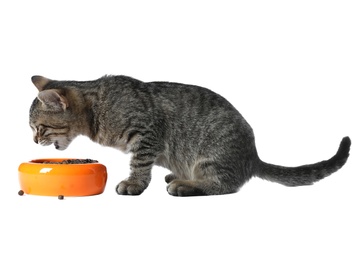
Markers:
192,131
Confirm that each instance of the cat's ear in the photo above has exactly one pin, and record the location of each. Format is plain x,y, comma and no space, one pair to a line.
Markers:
40,82
52,99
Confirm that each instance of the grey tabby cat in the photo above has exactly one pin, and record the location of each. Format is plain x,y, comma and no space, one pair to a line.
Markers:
195,133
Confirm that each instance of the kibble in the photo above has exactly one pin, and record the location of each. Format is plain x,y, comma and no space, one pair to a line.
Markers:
60,197
72,161
21,192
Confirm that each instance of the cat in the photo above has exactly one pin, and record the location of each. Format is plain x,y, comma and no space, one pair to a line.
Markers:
195,133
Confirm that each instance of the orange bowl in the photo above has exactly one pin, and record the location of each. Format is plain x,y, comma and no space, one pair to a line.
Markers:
49,178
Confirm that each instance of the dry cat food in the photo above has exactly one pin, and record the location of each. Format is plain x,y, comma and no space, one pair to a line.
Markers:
21,192
72,161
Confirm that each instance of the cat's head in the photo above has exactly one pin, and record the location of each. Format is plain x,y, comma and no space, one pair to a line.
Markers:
52,118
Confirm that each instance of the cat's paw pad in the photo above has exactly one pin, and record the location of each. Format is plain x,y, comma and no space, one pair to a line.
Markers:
130,188
183,188
170,177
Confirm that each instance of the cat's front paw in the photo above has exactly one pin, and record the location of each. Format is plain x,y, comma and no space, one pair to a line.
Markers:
130,187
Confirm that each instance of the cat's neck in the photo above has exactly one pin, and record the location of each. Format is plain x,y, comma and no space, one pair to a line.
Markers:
90,111
83,106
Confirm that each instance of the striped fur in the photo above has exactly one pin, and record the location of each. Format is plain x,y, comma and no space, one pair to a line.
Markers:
197,134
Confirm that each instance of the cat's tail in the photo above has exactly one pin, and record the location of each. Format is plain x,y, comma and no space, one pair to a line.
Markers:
306,174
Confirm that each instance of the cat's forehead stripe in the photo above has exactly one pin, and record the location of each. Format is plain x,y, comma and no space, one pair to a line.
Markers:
195,133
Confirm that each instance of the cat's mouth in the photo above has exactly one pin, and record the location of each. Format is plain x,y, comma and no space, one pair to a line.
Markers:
44,142
55,143
60,143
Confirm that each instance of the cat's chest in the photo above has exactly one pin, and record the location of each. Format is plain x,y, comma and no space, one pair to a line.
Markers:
114,141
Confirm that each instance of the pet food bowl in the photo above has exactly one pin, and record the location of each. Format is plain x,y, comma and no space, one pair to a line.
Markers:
52,177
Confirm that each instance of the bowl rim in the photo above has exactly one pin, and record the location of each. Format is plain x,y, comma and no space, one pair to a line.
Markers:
40,161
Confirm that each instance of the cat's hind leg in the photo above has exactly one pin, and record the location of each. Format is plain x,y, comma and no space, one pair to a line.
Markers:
209,178
192,188
170,177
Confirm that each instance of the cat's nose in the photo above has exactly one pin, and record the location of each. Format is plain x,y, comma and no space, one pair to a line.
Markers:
35,139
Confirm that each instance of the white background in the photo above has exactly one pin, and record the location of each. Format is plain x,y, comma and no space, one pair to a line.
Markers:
288,66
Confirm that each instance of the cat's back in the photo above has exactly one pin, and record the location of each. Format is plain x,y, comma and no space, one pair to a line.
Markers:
195,108
186,96
163,90
174,100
